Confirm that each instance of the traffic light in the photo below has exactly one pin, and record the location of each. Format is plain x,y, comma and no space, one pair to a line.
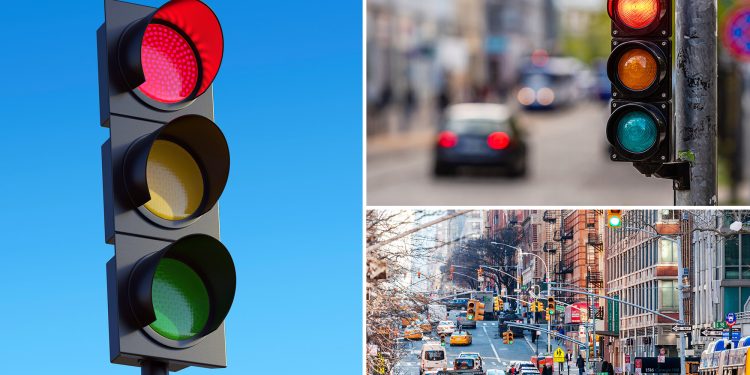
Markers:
510,337
520,281
499,304
479,273
471,309
614,218
506,339
480,311
171,282
419,275
551,305
450,276
640,128
533,307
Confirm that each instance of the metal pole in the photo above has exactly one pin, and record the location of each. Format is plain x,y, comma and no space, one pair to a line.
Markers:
680,286
549,321
695,99
149,367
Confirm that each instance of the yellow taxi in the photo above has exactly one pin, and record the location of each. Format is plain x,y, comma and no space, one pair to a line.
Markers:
413,333
426,326
461,338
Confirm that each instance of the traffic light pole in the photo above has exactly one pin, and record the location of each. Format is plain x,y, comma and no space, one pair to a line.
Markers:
696,99
149,367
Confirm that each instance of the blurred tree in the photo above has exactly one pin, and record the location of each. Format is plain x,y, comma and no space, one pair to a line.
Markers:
593,43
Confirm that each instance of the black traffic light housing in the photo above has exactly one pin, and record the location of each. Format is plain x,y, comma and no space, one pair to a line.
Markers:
144,239
643,28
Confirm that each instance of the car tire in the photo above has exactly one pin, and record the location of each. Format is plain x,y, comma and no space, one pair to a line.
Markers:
443,169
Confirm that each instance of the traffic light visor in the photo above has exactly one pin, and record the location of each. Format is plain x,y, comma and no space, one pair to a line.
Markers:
637,132
183,292
637,14
178,173
173,55
637,69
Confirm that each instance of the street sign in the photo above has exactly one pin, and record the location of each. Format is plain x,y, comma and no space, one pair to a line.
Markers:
711,333
682,328
559,355
731,319
720,325
560,308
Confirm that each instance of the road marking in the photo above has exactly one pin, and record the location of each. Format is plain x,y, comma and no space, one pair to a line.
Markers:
491,344
533,350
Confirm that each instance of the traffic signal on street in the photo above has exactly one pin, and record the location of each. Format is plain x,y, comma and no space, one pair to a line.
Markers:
551,305
419,275
506,339
471,309
533,307
499,304
450,276
171,282
614,218
479,273
480,311
510,337
640,128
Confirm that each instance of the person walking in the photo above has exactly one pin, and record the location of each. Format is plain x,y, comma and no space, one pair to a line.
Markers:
581,364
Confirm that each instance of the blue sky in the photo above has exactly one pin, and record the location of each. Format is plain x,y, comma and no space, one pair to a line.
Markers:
288,98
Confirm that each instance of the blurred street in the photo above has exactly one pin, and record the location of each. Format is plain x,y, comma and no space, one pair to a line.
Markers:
568,165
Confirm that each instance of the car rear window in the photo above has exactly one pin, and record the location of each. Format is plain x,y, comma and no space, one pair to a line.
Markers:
463,363
477,126
434,355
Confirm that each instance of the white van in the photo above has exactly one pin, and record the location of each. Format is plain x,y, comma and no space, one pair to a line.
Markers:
432,357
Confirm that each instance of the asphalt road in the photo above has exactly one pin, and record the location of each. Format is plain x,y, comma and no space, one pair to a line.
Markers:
485,341
568,165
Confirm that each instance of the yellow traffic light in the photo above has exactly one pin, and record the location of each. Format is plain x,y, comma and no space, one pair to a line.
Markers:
470,309
510,337
614,218
532,307
505,337
551,305
480,311
479,273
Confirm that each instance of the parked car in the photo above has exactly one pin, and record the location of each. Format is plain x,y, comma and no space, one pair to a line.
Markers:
480,134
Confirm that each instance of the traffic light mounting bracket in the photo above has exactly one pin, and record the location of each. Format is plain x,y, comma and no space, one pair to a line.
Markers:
678,171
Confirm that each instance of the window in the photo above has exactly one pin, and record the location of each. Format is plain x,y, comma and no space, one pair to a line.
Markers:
668,251
737,258
667,294
434,355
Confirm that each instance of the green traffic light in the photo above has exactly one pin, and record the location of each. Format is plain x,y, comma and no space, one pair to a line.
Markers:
615,221
637,132
180,299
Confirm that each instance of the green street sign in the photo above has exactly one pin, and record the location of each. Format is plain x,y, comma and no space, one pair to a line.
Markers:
560,308
721,325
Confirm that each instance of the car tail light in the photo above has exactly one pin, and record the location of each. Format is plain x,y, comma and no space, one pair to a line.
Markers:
447,139
498,140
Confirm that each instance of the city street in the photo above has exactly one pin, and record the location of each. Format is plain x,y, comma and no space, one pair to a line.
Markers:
568,165
486,342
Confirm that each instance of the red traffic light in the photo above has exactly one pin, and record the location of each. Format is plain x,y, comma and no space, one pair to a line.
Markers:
637,14
173,55
640,17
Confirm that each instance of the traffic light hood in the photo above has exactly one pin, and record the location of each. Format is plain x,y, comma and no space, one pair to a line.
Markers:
202,141
209,260
172,56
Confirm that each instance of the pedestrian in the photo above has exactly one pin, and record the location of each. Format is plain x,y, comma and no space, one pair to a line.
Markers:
547,369
512,370
610,369
581,364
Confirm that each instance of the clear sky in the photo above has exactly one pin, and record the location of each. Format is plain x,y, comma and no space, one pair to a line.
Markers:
287,97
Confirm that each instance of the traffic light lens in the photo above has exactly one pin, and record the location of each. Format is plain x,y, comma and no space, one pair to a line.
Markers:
169,65
637,69
636,132
614,221
638,14
175,181
180,299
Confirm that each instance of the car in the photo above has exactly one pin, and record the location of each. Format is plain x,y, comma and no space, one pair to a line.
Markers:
460,338
425,326
446,327
502,325
413,333
432,357
475,356
462,322
480,134
464,364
